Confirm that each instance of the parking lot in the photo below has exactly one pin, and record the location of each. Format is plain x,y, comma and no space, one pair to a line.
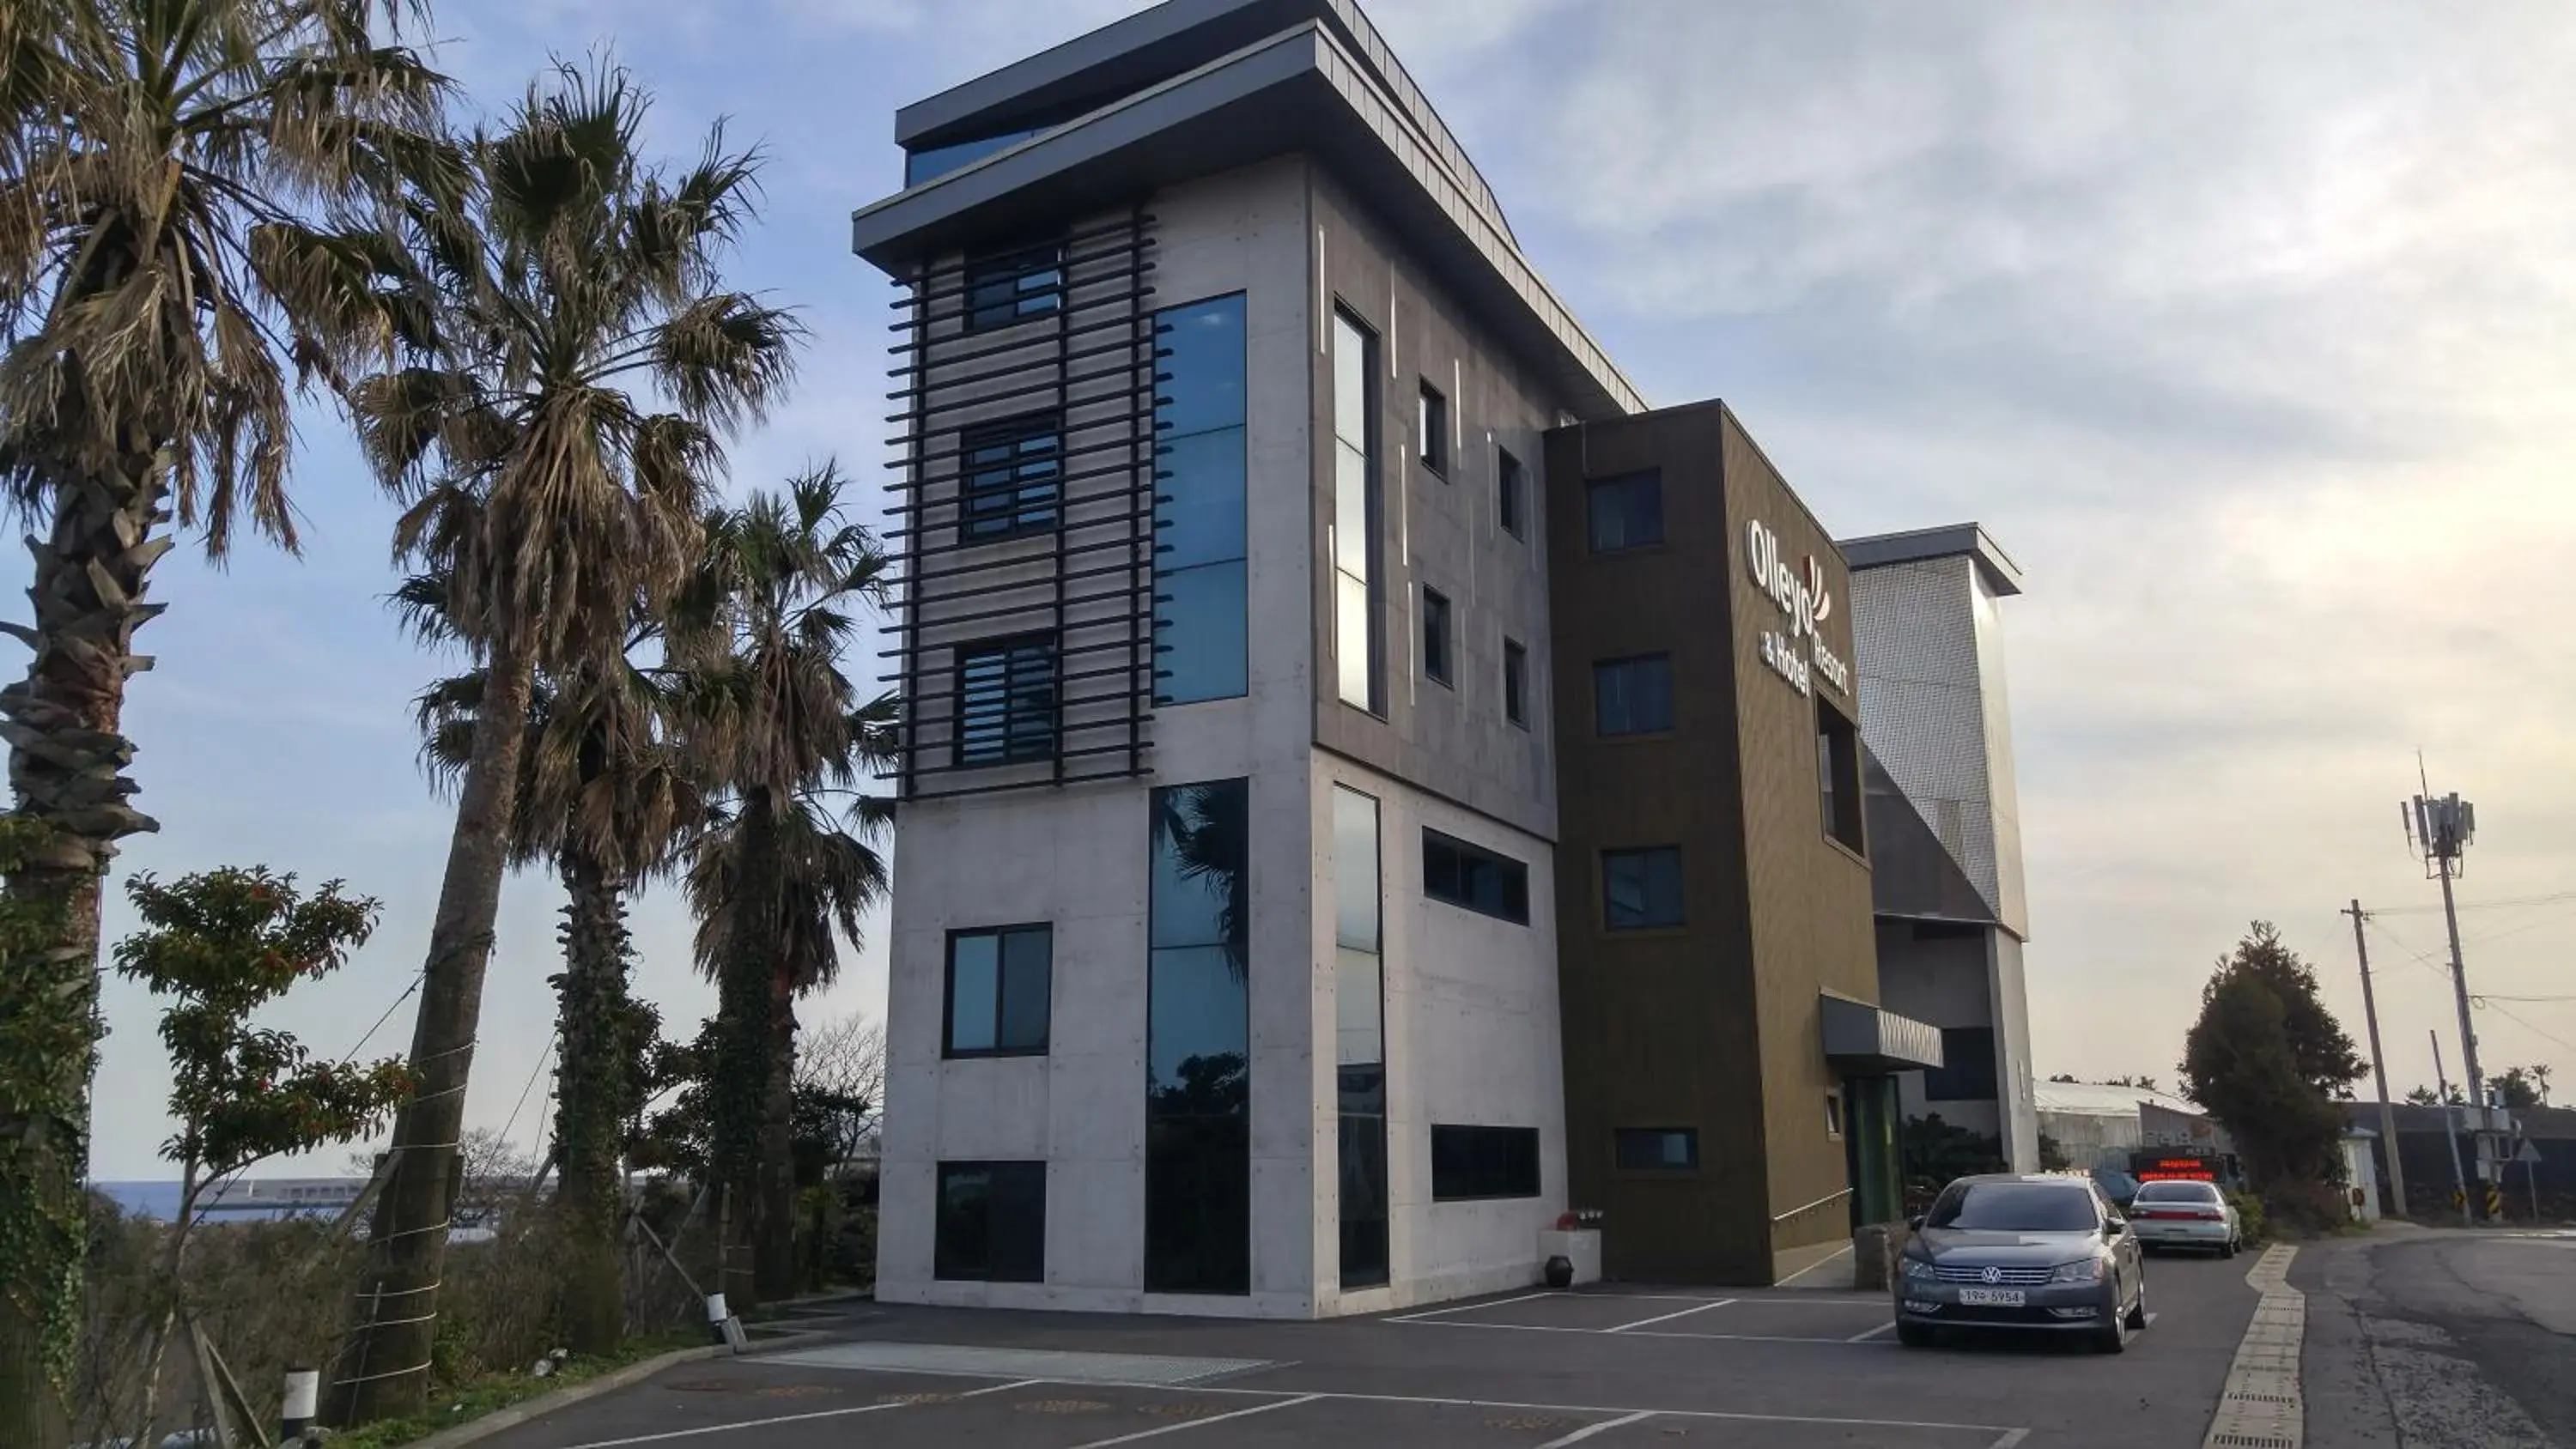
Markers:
1609,1367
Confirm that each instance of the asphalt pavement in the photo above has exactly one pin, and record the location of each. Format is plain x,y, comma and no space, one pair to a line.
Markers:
2440,1339
1610,1367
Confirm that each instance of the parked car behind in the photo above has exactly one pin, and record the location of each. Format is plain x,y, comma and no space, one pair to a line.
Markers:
2186,1215
2042,1252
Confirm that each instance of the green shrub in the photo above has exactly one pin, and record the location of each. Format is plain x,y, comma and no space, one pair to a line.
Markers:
2249,1215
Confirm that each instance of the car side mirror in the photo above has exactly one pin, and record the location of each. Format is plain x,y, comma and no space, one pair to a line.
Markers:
1914,1224
2115,1225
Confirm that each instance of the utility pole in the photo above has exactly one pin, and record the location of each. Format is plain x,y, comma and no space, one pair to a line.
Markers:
2450,1133
2442,827
2379,1067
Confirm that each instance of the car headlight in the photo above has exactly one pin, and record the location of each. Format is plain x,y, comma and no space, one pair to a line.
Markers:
1917,1267
2086,1270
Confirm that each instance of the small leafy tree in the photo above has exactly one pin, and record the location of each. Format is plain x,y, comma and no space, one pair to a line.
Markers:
2427,1097
2266,1058
2521,1087
224,944
48,1044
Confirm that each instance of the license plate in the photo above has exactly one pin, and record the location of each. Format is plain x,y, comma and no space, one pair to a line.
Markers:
1990,1298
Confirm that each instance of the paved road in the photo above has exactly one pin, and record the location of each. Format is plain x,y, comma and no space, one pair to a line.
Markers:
2440,1339
1611,1369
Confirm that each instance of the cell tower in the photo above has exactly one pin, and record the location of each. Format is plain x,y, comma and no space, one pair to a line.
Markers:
2440,828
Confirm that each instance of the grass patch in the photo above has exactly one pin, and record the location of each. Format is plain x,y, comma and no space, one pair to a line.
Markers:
454,1404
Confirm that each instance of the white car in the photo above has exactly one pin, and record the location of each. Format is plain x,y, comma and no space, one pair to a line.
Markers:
2185,1215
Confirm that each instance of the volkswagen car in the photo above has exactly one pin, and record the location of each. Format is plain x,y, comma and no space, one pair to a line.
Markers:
2044,1253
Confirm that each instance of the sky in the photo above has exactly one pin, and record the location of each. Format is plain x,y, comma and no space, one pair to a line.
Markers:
2244,329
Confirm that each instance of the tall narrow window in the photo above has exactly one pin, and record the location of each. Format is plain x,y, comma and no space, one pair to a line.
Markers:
1626,511
1012,470
1006,701
1511,493
1436,644
1434,423
1360,1015
1201,627
1516,683
1012,286
1357,598
1198,1033
1838,774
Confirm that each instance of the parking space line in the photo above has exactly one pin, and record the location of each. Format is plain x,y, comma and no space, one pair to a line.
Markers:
1864,1337
1641,1332
1669,1317
1285,1397
1588,1430
1468,1307
1201,1423
794,1418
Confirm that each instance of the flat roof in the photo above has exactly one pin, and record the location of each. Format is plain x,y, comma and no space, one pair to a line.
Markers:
1301,90
1947,541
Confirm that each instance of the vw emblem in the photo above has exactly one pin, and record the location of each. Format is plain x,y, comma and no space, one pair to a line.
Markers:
1993,1275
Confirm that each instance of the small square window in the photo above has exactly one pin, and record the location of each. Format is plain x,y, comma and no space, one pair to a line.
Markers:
1633,696
1516,683
1511,494
1434,422
1626,511
1012,473
1656,1149
1006,701
998,991
991,1224
1641,889
1436,651
1013,286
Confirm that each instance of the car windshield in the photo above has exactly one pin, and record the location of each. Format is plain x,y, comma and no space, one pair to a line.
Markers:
2015,1207
2199,1192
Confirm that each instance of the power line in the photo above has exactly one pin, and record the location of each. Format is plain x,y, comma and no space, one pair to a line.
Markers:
2494,905
2536,1031
2527,1000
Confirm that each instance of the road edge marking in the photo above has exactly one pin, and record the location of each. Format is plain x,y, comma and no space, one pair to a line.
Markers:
2260,1407
1604,1427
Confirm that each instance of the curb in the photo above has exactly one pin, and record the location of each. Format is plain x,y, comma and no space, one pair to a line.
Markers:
526,1409
607,1383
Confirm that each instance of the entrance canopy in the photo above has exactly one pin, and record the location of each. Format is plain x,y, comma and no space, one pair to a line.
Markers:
1862,1040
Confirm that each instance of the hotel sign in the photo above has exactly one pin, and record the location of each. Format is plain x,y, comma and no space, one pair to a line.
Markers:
1796,651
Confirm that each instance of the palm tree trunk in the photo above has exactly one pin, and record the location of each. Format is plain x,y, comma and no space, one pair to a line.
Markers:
739,1092
774,1212
66,769
384,1368
592,1086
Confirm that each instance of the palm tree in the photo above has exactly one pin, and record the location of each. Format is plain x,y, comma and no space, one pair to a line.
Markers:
188,204
605,798
787,861
575,287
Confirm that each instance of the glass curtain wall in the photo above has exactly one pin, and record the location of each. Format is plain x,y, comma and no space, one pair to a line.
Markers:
1201,638
1359,991
1198,1099
1356,633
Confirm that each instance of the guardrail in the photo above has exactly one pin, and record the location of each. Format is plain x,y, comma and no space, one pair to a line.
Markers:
1810,1207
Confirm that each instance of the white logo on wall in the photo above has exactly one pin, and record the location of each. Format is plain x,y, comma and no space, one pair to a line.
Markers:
1800,594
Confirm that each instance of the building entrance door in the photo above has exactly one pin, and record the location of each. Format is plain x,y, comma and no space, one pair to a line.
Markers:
1869,1149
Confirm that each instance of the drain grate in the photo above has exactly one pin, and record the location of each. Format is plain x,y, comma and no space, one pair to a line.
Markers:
2251,1441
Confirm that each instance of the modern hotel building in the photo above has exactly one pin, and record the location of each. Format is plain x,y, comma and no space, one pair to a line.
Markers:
1368,784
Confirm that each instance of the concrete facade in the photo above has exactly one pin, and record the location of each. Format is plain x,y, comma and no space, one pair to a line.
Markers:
1469,1001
